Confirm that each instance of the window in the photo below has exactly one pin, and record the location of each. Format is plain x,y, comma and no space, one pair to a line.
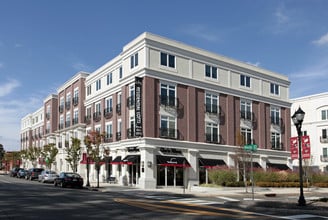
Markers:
211,132
275,141
324,152
211,72
89,90
76,117
168,95
109,104
134,61
131,130
324,114
109,78
98,84
121,72
68,120
76,97
245,81
131,98
275,115
167,127
109,131
211,103
167,60
246,135
245,110
324,133
274,89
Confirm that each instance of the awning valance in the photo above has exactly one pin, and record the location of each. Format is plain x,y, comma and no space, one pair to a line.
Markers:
117,160
209,163
131,159
278,166
172,161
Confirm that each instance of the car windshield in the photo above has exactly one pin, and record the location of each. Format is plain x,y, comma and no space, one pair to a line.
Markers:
73,175
52,172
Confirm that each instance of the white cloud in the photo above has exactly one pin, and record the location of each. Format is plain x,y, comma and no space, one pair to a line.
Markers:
323,40
2,65
281,15
8,87
79,66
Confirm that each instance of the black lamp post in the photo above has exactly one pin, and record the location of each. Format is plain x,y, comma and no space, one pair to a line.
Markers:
297,118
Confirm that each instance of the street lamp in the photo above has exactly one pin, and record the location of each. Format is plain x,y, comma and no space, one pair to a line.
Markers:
297,118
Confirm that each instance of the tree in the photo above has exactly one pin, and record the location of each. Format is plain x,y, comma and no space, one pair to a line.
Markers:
23,156
33,153
49,154
93,140
74,154
2,153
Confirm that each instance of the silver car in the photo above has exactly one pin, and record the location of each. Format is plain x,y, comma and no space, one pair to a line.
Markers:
47,176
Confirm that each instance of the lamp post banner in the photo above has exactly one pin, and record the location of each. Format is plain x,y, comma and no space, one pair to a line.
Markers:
306,147
294,147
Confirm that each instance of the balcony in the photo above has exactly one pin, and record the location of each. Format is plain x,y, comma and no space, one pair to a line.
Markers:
75,121
97,116
170,133
68,105
131,102
119,109
61,108
212,138
324,139
61,126
246,115
212,109
108,138
118,136
169,101
47,131
67,124
277,146
87,119
108,112
324,158
48,115
131,133
75,100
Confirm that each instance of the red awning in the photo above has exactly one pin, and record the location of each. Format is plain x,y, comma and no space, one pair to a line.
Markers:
117,160
131,159
172,161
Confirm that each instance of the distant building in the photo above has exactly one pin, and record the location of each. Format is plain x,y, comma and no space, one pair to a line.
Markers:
170,111
315,125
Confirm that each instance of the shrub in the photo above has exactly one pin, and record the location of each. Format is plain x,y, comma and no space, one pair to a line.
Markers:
222,176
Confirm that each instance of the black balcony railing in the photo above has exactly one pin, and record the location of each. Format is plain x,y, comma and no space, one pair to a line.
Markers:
169,101
118,136
47,131
276,146
87,119
131,133
67,124
61,126
276,120
61,108
168,133
108,112
48,115
212,109
68,105
246,115
212,138
97,116
324,158
75,100
108,138
118,108
131,102
75,121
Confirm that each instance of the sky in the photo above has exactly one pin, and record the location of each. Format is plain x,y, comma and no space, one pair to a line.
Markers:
44,43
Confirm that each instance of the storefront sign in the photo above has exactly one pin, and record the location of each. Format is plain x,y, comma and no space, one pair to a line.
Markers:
138,107
170,150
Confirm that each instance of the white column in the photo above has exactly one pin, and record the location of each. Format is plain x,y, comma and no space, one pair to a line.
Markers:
193,170
148,167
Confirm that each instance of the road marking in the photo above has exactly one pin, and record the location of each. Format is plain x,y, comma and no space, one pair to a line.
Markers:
304,216
195,201
228,199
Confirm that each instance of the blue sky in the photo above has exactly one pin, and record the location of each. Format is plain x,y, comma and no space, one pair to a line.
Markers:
44,43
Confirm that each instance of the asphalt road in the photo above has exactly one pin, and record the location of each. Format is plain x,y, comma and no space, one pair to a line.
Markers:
22,199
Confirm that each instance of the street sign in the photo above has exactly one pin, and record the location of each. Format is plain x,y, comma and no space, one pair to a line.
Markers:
250,147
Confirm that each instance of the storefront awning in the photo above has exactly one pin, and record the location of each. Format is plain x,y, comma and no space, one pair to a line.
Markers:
117,160
172,161
210,163
277,166
131,159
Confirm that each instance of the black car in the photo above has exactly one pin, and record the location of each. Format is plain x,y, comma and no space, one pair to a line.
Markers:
33,173
14,171
69,179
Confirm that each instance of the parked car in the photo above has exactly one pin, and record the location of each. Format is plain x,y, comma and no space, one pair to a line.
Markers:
21,173
14,171
33,173
47,176
69,179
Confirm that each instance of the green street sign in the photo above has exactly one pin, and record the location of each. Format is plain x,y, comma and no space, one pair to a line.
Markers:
250,147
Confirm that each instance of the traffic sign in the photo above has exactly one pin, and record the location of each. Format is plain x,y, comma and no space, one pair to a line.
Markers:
250,147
